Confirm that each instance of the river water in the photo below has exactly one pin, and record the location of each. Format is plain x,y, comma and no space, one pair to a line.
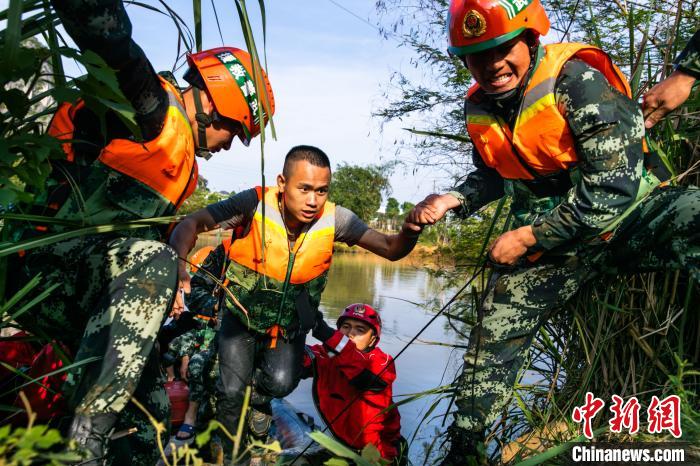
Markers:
399,291
396,290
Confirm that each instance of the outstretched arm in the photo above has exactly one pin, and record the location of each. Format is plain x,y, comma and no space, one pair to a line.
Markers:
184,237
351,230
481,186
392,247
230,213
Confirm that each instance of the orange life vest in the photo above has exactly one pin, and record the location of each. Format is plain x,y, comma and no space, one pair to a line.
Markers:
276,286
541,136
165,164
312,251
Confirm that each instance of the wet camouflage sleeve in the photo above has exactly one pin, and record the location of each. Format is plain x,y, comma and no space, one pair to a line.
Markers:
201,300
689,59
607,128
482,186
104,27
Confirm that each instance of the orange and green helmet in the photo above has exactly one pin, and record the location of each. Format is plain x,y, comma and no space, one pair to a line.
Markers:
477,25
227,74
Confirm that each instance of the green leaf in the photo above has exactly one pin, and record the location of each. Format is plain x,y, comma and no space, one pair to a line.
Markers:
338,448
7,197
95,229
371,453
13,30
20,294
16,102
82,362
197,13
45,294
336,462
204,437
65,94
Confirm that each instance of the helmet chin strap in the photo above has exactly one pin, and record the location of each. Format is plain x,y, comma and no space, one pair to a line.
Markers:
203,122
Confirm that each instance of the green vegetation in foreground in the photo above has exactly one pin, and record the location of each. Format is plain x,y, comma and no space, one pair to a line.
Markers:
630,336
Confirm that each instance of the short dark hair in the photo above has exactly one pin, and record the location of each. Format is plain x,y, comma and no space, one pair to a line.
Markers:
311,154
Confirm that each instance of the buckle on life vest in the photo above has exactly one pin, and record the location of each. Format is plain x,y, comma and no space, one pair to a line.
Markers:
273,332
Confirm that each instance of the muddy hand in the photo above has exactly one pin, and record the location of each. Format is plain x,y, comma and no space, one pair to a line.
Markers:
512,245
432,208
666,96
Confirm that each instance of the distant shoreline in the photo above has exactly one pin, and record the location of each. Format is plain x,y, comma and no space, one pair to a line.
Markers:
422,254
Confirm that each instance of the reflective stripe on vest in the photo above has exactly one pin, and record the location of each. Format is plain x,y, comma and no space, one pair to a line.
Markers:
541,134
165,164
313,250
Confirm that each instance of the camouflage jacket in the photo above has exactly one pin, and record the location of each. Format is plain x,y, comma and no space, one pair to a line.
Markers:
204,295
103,27
607,128
96,193
688,60
190,342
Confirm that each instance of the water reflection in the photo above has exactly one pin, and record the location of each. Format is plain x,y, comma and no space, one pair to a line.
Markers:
398,290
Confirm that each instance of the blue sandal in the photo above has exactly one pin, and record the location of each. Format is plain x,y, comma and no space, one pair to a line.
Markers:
185,429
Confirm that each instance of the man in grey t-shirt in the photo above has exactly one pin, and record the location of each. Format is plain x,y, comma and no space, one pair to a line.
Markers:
273,293
238,210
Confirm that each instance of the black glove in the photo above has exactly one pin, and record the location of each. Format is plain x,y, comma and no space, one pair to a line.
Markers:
322,331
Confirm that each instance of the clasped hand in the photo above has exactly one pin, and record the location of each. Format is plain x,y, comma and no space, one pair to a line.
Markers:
512,245
507,249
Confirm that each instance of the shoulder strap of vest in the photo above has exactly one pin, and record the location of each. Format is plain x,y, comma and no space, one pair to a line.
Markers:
556,55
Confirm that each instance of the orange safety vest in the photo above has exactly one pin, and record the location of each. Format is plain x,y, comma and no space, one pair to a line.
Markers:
541,136
313,249
165,164
269,284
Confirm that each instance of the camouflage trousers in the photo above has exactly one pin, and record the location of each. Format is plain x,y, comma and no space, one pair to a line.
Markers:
663,232
202,372
111,298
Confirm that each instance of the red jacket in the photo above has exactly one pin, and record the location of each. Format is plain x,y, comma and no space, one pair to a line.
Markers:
343,374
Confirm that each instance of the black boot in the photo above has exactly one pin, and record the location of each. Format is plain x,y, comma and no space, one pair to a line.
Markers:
466,448
259,421
92,435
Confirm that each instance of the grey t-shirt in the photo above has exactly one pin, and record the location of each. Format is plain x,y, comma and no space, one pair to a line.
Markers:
239,209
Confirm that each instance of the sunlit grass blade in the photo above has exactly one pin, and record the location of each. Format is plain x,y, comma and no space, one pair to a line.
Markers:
97,229
19,295
437,134
42,296
338,448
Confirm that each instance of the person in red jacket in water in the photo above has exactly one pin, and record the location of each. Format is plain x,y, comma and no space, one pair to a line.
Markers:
352,382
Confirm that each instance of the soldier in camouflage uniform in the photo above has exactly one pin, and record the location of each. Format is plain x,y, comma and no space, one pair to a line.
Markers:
183,346
196,350
107,294
202,372
553,128
674,90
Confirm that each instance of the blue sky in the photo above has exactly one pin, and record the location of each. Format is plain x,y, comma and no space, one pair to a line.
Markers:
327,68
